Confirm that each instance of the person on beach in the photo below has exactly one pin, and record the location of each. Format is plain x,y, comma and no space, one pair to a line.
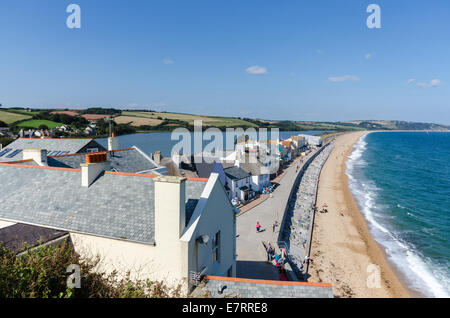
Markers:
275,224
306,260
258,227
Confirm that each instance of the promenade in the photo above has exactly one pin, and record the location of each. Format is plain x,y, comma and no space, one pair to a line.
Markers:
251,255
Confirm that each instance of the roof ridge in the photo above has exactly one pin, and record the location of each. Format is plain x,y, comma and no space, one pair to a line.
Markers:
4,164
56,138
90,153
268,282
130,174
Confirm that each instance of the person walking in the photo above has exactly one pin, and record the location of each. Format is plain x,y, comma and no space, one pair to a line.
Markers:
269,252
275,224
258,227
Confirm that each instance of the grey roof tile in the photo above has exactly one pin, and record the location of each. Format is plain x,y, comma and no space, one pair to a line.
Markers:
113,206
262,290
127,160
236,173
50,144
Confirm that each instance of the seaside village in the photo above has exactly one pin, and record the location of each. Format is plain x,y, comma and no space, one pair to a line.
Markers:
199,223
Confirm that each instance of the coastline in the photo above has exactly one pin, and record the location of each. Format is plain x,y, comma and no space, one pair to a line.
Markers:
342,246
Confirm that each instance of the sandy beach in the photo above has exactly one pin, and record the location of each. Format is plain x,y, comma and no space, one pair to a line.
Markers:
342,247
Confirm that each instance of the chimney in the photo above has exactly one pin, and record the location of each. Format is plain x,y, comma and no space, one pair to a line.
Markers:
38,155
176,158
96,164
113,143
170,209
157,157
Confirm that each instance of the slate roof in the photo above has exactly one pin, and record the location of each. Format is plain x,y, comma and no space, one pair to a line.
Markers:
254,166
127,160
17,236
69,146
115,206
236,173
204,169
255,288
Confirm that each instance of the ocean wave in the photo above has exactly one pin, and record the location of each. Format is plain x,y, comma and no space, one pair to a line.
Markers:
421,273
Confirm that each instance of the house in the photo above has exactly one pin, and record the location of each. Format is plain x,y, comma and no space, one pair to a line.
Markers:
238,184
64,128
201,166
312,140
259,172
131,160
298,145
53,146
162,228
89,131
4,130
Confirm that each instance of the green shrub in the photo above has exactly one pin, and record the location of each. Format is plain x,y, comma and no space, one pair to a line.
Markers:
41,273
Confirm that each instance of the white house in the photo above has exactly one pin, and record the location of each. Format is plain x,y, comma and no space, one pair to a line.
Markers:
238,183
312,140
163,228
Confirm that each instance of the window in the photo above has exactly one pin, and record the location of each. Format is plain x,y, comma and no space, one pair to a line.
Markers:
92,150
216,248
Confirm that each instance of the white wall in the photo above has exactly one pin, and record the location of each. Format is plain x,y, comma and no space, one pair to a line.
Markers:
258,182
217,215
5,224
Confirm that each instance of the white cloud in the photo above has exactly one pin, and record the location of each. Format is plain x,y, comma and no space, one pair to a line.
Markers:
344,78
256,70
411,80
435,83
168,61
368,56
432,83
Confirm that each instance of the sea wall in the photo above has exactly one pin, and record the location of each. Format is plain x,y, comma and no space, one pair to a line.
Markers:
297,224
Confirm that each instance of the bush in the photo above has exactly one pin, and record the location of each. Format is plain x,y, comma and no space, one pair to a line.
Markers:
5,141
41,273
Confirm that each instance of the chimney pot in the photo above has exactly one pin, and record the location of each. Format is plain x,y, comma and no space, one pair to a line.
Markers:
113,143
96,164
157,157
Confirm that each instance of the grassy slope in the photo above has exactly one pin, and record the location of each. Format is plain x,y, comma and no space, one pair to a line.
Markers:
11,117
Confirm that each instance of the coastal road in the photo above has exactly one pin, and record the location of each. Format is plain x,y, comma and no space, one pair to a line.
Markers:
251,256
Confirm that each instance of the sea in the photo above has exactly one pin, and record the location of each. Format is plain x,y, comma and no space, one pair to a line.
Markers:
401,182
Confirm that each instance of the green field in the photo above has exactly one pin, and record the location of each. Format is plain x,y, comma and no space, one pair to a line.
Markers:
11,117
35,123
23,112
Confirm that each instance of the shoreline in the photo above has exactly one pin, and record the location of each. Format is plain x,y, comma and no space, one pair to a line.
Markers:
342,245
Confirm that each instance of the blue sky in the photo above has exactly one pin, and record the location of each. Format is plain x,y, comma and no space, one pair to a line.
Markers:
318,59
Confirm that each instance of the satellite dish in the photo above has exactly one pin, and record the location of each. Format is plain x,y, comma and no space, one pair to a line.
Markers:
203,239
